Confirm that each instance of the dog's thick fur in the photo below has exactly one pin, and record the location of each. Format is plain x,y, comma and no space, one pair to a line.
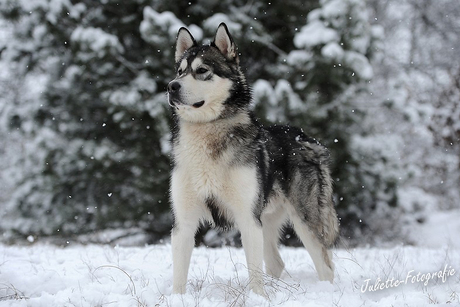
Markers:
232,171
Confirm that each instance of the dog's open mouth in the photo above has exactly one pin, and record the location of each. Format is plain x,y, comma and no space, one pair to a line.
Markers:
198,104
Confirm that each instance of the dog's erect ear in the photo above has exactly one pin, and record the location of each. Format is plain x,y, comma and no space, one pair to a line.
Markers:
184,41
224,42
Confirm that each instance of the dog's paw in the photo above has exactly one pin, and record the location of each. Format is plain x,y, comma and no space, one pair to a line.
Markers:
259,290
179,289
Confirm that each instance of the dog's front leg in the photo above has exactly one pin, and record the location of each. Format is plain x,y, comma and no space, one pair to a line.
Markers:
186,221
252,239
243,197
182,241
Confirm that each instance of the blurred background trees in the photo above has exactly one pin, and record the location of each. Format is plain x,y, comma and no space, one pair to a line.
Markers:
85,122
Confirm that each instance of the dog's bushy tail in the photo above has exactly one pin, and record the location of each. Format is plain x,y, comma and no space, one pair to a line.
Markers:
323,217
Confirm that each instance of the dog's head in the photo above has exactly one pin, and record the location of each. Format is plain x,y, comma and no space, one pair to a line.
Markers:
209,83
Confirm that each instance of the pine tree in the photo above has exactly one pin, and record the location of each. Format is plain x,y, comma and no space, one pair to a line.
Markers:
418,109
95,157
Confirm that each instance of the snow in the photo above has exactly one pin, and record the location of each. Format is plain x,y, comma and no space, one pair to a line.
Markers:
334,8
325,29
359,63
315,33
262,88
284,92
214,21
333,51
55,8
445,224
277,98
196,31
99,275
158,28
298,58
97,40
264,94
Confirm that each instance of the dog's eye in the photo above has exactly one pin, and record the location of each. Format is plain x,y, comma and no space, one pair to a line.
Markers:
201,70
180,71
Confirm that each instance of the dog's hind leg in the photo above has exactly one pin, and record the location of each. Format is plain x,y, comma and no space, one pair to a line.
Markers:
271,224
321,256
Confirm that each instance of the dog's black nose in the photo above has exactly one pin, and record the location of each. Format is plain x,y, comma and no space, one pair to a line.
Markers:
173,87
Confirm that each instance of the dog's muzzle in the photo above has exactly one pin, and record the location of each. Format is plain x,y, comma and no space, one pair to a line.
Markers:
174,95
173,92
173,87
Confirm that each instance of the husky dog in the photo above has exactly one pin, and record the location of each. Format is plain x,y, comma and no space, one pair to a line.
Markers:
230,170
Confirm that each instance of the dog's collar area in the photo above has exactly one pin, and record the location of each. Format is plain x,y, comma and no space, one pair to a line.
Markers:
198,104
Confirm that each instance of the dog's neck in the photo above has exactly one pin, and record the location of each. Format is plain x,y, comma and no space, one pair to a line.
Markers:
239,119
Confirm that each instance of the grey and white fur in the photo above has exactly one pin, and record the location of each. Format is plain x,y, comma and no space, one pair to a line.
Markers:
230,170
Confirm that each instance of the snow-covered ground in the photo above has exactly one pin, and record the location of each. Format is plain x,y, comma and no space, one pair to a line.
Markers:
440,229
103,275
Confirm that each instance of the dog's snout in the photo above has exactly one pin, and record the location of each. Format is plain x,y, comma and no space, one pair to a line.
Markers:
173,87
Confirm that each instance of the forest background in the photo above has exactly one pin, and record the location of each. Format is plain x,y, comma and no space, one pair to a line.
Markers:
85,126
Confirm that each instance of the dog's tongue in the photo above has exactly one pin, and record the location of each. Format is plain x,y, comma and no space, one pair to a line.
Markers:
198,104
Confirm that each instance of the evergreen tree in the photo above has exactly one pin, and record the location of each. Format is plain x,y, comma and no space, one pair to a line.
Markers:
95,156
416,94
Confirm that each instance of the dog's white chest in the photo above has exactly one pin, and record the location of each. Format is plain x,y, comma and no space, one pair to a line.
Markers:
204,166
200,157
